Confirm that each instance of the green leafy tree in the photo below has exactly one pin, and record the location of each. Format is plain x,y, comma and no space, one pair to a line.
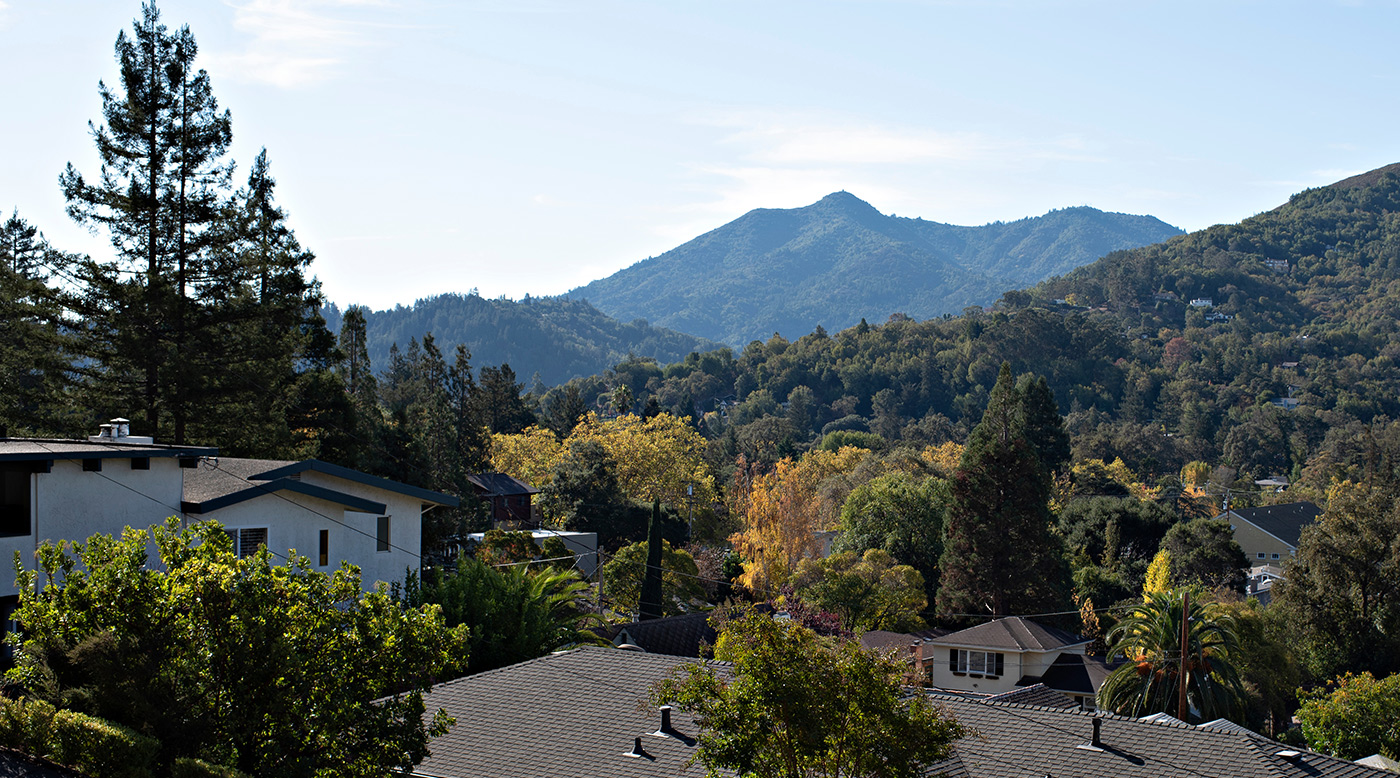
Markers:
1342,589
795,706
1355,716
209,653
900,514
1267,664
868,591
584,495
512,613
1204,552
681,587
1149,638
999,555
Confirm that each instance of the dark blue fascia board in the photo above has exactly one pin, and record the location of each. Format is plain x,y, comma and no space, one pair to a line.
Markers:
287,485
135,453
316,465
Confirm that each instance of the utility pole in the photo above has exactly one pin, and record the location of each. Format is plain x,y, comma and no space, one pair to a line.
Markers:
690,504
1181,711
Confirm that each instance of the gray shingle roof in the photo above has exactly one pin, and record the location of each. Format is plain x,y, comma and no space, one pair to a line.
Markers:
675,635
500,484
1073,673
1012,633
569,714
1035,694
1016,741
1285,522
215,484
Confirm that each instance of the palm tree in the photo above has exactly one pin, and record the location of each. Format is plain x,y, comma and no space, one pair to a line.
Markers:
1150,639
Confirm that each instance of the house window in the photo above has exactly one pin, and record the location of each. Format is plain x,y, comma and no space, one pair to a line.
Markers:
324,556
1260,555
14,502
140,463
1274,556
246,540
977,662
381,535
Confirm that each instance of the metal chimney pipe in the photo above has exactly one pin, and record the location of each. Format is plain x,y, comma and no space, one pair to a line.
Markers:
1098,731
666,719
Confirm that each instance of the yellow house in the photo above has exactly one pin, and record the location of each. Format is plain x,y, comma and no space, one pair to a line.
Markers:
1269,535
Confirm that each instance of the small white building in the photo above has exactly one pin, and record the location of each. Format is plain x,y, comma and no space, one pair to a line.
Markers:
583,545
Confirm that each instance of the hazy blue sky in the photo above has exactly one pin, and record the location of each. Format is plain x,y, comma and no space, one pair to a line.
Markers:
529,146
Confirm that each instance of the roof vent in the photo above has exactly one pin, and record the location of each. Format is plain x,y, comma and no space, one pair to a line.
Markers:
1095,744
669,731
118,431
638,752
1290,754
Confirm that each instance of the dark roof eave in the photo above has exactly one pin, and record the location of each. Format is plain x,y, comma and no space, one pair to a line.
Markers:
316,465
289,485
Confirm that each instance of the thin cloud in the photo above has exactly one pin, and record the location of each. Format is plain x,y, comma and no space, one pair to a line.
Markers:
294,43
4,17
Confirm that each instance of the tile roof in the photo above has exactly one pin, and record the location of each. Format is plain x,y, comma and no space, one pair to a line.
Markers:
1012,633
1285,522
571,714
1017,741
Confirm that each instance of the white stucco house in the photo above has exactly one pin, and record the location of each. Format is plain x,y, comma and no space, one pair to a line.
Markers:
53,490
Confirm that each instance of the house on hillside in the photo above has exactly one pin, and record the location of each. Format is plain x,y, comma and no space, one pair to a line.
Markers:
583,545
510,500
1270,534
1011,652
329,513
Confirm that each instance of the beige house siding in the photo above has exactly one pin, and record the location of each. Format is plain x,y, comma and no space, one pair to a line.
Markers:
1259,546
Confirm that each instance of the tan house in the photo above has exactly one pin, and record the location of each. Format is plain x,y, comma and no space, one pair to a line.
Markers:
1269,535
1010,653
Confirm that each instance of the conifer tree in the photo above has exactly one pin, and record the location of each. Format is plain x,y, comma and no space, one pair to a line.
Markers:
34,351
1000,556
162,190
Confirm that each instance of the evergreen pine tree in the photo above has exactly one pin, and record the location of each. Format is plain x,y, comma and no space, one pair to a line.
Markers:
162,190
1000,556
34,351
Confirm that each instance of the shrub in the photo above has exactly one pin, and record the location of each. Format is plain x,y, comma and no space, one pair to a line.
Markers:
101,749
198,768
26,725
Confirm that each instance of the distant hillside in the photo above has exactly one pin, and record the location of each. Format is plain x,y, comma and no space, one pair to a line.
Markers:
1268,346
555,337
840,260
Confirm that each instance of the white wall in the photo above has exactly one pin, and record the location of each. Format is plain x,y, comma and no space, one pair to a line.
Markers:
295,521
71,504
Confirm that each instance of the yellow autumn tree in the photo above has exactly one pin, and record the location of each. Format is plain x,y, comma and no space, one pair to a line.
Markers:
944,458
1158,575
783,511
529,456
657,458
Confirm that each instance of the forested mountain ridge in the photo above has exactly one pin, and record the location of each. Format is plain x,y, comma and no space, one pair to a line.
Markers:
839,260
556,338
1289,369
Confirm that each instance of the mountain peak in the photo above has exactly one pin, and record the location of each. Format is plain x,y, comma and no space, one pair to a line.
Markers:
845,201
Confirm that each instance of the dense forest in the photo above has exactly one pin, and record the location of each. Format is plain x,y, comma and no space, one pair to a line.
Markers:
838,260
551,339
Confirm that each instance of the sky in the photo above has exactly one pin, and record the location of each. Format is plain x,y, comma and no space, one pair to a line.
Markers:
530,146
